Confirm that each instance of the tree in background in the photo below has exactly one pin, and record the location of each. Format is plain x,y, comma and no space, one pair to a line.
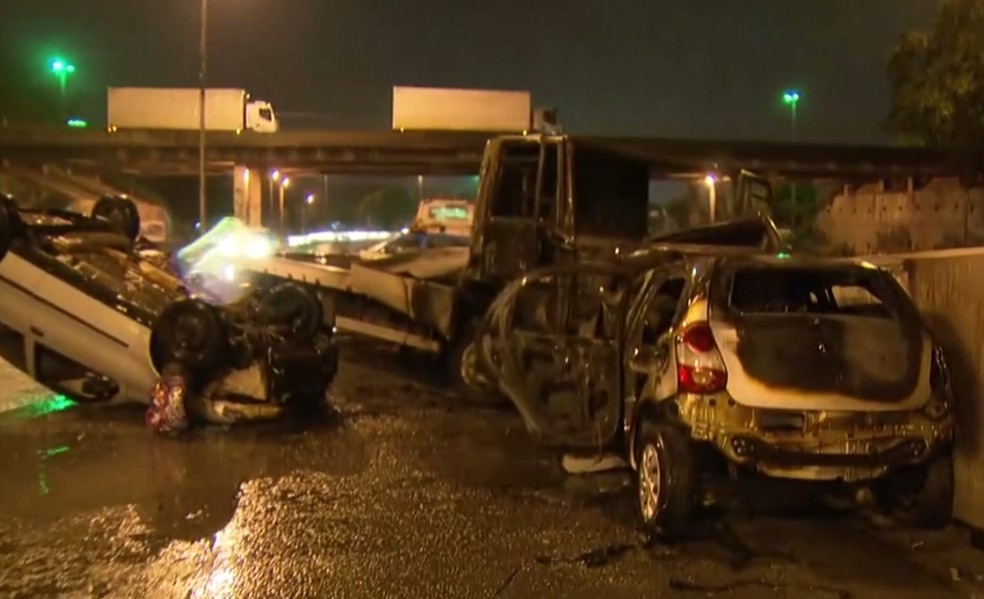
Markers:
387,207
937,79
797,214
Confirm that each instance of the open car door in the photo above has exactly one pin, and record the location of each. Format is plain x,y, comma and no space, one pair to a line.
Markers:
561,372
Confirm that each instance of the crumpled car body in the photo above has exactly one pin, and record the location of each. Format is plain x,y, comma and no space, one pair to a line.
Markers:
789,367
100,323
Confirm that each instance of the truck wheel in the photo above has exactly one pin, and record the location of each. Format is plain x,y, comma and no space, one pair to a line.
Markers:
464,370
121,213
922,497
666,480
9,222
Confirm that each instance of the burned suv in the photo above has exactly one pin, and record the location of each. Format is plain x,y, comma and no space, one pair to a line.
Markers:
706,364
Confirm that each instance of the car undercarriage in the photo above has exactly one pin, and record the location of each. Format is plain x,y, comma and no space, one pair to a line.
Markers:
100,322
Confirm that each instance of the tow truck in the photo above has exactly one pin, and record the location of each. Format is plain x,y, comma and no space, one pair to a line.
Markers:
542,200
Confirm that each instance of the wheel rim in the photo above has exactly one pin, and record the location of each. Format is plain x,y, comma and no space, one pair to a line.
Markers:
467,369
649,482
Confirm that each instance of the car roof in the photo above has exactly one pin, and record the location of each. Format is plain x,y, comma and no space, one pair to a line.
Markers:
785,260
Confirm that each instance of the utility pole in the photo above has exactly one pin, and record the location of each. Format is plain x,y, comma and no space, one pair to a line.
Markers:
203,55
791,98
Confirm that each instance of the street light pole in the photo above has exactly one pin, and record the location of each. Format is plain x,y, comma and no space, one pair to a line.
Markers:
203,55
307,203
283,220
791,99
62,70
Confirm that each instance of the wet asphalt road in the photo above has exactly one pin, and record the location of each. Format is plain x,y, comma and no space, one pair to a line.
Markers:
402,493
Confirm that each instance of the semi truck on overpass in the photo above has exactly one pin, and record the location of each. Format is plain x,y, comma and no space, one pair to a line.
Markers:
177,109
447,109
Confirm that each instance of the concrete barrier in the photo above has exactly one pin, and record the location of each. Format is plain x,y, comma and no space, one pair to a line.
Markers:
948,288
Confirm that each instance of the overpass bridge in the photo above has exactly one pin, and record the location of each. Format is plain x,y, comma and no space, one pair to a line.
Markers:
250,157
450,153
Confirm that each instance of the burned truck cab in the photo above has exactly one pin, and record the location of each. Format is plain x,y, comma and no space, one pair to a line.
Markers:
548,200
553,199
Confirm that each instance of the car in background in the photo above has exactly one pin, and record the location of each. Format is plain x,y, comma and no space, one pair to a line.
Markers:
702,365
98,322
413,241
454,216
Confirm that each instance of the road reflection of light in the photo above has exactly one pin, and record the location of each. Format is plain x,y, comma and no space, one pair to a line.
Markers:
221,581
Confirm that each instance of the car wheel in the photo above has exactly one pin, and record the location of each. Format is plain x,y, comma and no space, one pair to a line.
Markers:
121,213
666,480
923,497
295,306
9,221
190,333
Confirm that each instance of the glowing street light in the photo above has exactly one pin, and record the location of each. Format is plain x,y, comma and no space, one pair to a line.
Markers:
791,98
62,69
284,184
308,200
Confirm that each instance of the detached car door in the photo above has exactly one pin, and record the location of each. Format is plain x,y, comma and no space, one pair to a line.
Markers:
561,370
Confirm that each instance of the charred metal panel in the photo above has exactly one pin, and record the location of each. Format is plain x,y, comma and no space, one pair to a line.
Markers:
511,247
868,358
425,302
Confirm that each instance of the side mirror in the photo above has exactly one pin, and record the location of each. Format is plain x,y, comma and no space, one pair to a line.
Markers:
644,359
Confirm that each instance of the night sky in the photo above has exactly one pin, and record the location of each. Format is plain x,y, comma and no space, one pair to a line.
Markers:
700,68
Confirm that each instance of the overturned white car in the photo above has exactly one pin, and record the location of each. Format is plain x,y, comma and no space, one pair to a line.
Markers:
100,323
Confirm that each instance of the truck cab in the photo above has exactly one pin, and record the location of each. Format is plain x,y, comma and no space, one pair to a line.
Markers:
260,117
546,199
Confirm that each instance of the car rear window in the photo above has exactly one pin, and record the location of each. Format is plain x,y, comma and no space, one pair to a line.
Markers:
850,290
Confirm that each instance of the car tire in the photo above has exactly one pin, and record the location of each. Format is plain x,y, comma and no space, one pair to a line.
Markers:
923,497
121,213
666,480
302,309
9,223
190,333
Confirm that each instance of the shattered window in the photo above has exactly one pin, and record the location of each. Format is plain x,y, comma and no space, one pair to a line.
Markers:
845,291
611,194
515,195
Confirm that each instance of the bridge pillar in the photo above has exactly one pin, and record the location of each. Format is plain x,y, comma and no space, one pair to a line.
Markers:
248,195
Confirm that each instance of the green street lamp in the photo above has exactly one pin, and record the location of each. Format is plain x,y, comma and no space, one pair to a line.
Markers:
62,70
791,98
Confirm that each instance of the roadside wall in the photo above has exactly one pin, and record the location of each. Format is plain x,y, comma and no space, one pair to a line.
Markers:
869,220
948,288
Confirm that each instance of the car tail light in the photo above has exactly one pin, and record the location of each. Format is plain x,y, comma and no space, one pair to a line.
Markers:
700,368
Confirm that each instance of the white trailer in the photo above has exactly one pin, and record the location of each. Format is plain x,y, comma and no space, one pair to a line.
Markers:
437,109
178,109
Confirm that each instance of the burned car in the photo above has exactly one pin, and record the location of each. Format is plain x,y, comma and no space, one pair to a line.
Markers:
99,323
701,365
